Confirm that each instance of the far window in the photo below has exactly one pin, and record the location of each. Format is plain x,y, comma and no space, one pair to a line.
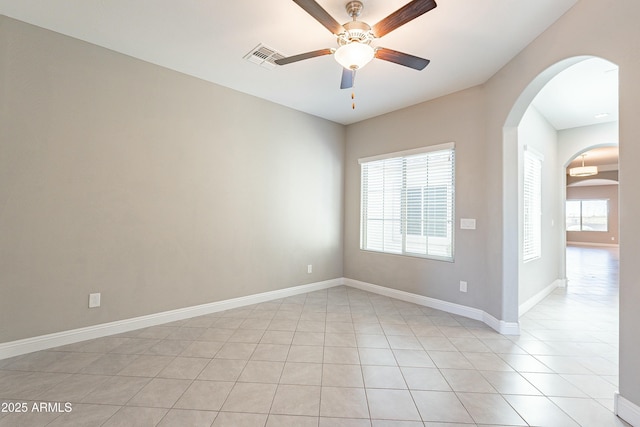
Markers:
587,215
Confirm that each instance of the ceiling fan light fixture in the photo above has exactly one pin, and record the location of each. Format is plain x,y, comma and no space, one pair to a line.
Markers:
354,56
354,37
583,170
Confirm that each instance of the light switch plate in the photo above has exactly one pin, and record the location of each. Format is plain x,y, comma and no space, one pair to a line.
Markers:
467,223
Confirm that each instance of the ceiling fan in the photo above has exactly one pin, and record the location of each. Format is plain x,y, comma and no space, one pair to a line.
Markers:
354,38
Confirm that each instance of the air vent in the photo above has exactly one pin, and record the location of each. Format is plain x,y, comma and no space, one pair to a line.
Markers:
263,56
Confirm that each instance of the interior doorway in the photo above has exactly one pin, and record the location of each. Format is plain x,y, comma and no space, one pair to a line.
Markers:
574,111
568,139
578,322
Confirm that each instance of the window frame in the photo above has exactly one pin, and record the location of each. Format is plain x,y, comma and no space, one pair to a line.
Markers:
398,226
581,216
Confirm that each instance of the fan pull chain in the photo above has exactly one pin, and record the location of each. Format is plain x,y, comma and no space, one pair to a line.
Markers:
353,104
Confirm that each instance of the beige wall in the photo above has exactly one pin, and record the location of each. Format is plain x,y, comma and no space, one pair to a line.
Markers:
456,118
607,192
168,228
156,189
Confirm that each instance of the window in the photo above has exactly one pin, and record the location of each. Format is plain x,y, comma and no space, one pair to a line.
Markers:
587,215
407,202
532,205
427,211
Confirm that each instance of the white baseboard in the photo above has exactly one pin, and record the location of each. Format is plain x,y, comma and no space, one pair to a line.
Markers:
43,342
531,302
626,410
505,328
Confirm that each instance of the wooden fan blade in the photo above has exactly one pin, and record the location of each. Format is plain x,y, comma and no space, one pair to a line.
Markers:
406,13
320,15
405,59
302,56
348,77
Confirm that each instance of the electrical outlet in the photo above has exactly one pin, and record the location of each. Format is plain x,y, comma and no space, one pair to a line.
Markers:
94,300
463,286
309,268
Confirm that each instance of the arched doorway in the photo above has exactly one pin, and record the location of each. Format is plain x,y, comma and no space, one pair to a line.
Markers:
559,344
517,138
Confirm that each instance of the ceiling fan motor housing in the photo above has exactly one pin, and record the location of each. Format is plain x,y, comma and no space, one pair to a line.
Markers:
355,31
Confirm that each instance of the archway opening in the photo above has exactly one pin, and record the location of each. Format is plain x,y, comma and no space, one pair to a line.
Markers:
569,107
562,322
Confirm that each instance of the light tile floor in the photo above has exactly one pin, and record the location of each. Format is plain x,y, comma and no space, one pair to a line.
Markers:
340,357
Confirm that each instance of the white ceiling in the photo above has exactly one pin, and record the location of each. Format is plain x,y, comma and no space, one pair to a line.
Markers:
583,94
467,41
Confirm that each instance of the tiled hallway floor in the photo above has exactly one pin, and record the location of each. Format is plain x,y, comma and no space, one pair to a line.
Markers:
339,357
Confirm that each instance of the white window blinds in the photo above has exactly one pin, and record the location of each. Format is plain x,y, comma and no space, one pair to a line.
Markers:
408,202
532,206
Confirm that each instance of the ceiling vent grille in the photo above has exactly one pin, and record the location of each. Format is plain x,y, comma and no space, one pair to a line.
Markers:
263,56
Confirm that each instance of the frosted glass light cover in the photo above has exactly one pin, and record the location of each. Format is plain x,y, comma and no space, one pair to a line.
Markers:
355,55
